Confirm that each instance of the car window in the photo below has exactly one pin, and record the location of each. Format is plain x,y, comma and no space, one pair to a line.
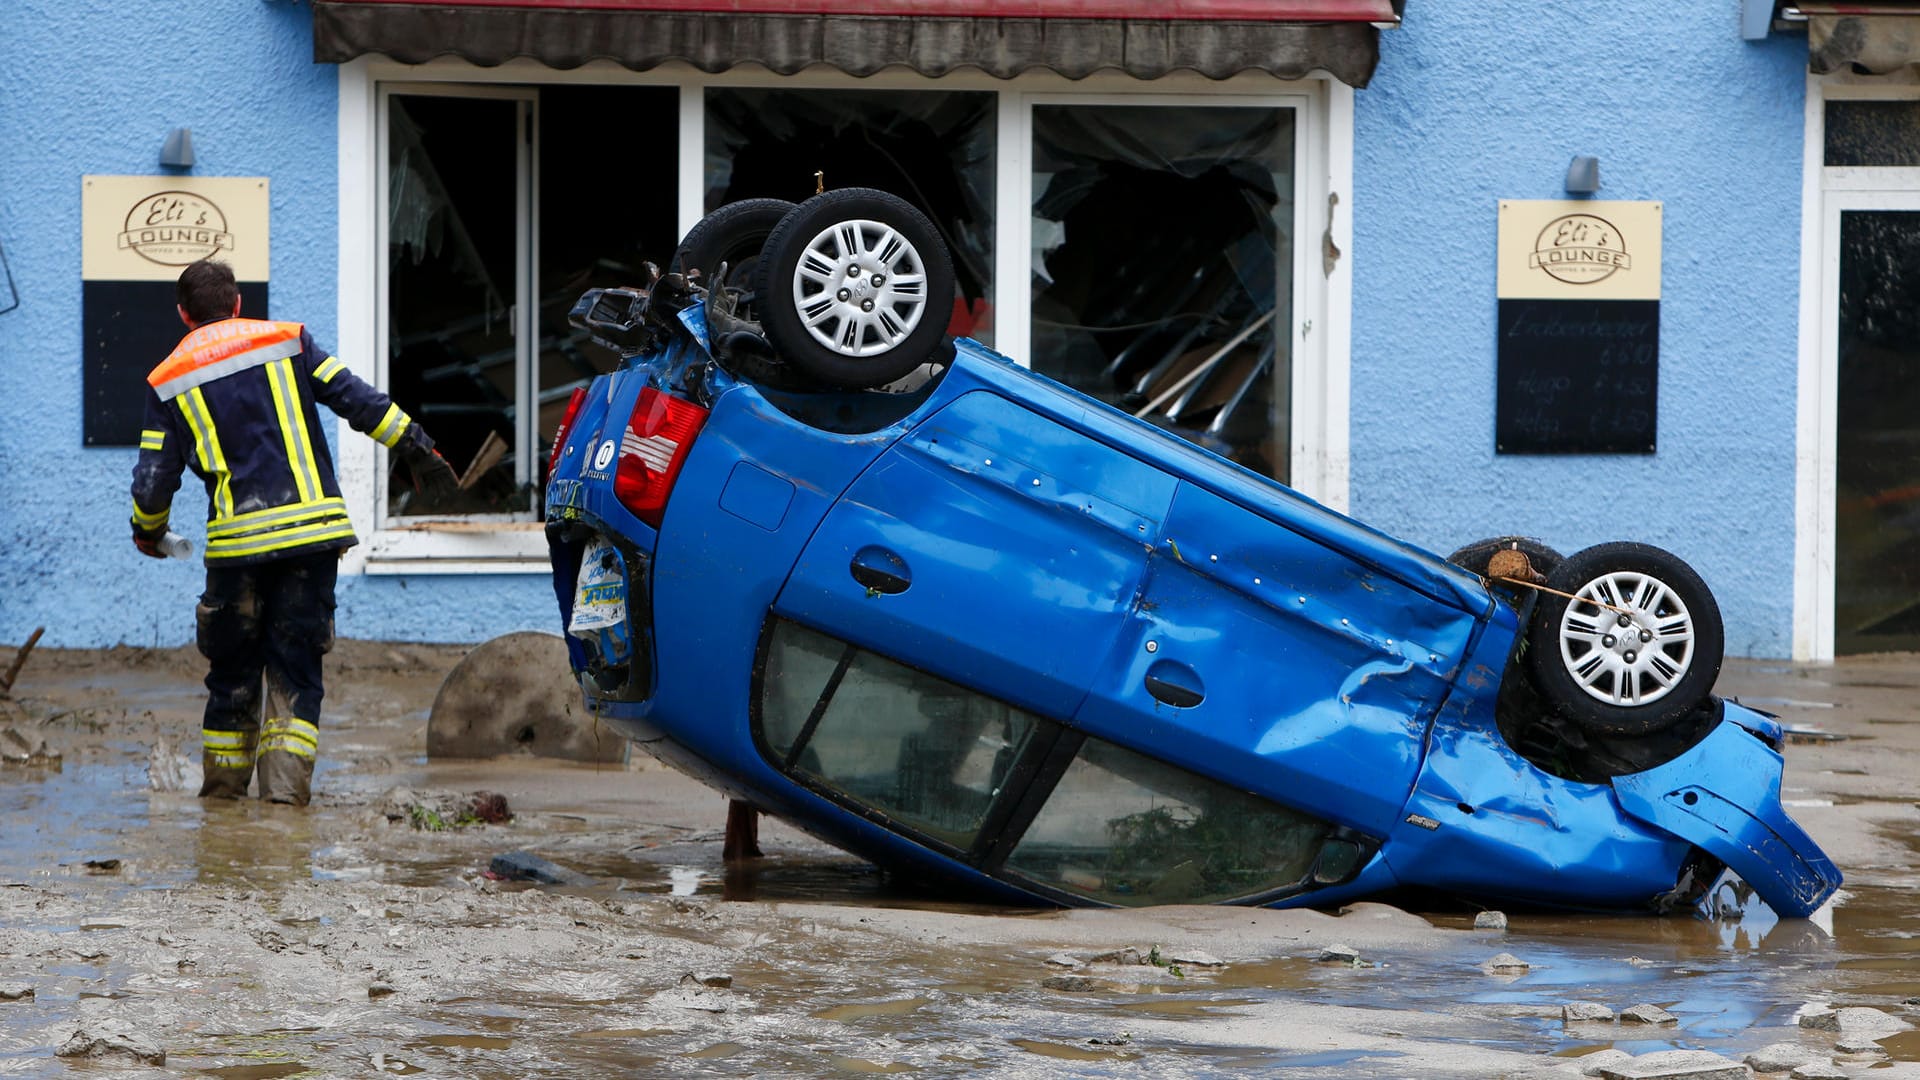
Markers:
1125,829
929,754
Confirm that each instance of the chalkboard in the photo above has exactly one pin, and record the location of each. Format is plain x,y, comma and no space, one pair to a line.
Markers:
127,328
1577,377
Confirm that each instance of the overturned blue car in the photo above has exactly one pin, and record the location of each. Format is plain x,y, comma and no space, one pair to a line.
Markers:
974,626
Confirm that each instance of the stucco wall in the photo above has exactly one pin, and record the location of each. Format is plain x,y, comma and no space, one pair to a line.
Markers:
1476,102
92,88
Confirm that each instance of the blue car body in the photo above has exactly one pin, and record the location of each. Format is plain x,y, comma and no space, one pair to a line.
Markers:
1295,708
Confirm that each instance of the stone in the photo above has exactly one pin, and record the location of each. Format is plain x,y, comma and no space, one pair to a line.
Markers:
1676,1065
1071,984
526,866
1819,1070
1593,1064
1647,1014
112,1041
1580,1012
1128,955
1339,954
378,990
1779,1057
1855,1021
1506,964
15,992
437,810
1490,920
715,979
1061,959
1857,1044
1198,958
516,694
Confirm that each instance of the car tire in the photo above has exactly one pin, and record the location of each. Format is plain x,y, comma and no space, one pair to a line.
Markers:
1475,556
734,234
1586,660
863,318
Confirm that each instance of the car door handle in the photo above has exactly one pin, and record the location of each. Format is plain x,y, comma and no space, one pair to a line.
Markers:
1173,683
878,570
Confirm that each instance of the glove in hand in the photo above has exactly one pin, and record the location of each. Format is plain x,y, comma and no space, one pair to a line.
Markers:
432,476
148,544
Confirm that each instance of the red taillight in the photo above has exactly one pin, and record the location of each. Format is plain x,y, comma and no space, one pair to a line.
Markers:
566,425
652,449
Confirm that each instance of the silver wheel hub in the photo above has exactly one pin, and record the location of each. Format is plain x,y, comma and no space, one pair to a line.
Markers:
1628,640
860,288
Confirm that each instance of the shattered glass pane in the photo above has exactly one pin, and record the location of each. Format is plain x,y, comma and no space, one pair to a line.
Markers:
1162,267
934,149
1877,133
1125,829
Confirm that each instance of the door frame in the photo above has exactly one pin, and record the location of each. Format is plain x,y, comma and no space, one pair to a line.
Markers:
1826,193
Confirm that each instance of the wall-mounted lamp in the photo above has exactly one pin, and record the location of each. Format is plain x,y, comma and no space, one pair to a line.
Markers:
176,150
1583,175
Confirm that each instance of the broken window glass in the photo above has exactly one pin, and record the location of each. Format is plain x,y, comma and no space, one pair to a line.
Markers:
1162,267
1125,829
934,149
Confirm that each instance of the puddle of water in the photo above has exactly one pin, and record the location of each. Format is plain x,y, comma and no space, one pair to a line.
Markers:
718,1050
882,1008
625,1033
257,1072
862,1065
1072,1053
471,1042
1188,1007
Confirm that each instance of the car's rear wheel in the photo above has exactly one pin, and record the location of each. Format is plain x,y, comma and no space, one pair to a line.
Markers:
734,234
856,288
1633,647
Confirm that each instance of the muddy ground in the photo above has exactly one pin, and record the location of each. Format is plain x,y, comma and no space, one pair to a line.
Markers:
254,941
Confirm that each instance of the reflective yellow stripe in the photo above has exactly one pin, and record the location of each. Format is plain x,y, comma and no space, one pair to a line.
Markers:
152,440
257,520
206,443
224,740
391,426
280,539
328,368
150,522
293,429
230,759
292,734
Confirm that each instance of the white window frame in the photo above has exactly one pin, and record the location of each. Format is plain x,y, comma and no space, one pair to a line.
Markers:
1322,299
1826,192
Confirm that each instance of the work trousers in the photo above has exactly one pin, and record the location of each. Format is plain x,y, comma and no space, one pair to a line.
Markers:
271,619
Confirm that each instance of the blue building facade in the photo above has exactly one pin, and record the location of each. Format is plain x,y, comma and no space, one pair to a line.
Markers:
1378,258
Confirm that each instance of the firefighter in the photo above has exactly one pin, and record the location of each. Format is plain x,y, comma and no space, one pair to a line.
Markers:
235,402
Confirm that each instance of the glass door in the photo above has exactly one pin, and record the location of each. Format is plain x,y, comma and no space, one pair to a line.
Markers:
457,286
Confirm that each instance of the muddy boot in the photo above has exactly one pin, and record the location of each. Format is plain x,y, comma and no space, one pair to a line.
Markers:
226,763
287,749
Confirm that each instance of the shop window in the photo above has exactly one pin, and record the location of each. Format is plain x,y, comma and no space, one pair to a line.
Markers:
928,754
470,246
1874,133
933,148
1125,829
1162,267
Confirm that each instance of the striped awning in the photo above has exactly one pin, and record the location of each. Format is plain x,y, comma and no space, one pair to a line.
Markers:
1143,38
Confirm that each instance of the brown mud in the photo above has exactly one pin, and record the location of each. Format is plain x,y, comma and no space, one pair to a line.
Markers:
254,941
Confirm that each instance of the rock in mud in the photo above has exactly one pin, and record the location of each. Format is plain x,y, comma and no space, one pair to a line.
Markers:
1647,1014
1580,1012
1819,1070
1198,958
112,1041
1591,1064
526,866
378,990
1339,954
1676,1065
715,979
434,810
1061,959
1780,1057
1127,956
1071,984
1858,1044
1871,1023
16,750
1506,964
1490,920
15,992
516,694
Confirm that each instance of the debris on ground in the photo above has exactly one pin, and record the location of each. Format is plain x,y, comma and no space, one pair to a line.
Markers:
102,866
16,992
1858,1021
112,1040
1580,1012
20,661
1064,960
1339,954
1490,920
1647,1014
1780,1057
715,979
1128,956
170,770
1506,964
1199,958
1676,1065
1070,984
15,749
1819,1070
526,866
434,810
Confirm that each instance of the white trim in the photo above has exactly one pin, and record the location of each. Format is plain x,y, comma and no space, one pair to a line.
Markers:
1013,229
357,293
693,147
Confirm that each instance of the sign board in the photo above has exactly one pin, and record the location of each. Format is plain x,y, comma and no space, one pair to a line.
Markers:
136,234
1579,327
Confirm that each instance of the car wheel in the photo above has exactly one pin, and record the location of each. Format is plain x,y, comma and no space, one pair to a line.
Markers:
856,288
1635,645
735,235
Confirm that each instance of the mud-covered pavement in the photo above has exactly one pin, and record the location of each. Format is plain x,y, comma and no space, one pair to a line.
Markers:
251,941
